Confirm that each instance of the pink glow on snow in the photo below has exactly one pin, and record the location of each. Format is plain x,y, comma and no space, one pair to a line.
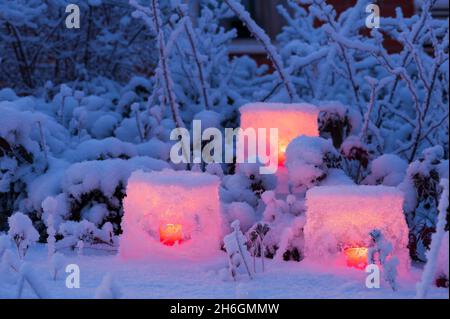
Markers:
171,211
291,120
341,217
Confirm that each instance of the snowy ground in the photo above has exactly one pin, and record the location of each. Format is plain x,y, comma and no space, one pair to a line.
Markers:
189,279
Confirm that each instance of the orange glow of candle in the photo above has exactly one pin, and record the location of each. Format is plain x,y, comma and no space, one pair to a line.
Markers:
169,234
356,257
282,153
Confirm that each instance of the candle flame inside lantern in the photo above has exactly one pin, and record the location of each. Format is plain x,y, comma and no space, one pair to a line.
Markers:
356,257
282,153
169,234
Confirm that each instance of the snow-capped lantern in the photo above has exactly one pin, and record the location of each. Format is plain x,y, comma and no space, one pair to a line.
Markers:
291,120
340,219
171,211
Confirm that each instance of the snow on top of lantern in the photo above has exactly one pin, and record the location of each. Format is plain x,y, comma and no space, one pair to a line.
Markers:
298,107
342,216
184,179
360,191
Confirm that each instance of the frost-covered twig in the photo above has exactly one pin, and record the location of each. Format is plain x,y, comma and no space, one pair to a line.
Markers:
42,142
135,109
153,16
192,42
271,51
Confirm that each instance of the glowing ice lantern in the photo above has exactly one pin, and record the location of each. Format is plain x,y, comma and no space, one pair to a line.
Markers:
291,120
344,215
171,208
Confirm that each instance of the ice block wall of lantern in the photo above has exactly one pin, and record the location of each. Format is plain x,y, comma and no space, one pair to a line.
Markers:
291,120
340,218
173,212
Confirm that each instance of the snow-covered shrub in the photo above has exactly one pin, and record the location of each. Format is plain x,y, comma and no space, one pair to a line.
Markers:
380,252
49,207
22,232
27,138
356,157
292,242
337,121
436,268
403,95
285,227
17,158
243,212
247,185
94,190
76,235
388,169
98,150
238,256
256,237
422,191
308,160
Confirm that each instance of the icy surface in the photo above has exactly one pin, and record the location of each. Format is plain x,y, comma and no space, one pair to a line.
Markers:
155,278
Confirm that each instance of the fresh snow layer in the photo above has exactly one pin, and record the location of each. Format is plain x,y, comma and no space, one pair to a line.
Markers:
268,107
157,278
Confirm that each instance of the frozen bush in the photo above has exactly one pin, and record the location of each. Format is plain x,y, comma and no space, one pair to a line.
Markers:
247,185
355,156
380,251
238,255
337,121
388,169
22,232
256,237
243,212
308,160
292,241
285,227
422,190
436,268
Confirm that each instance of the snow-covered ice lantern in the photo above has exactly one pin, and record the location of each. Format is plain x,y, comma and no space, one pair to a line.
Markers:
291,120
171,211
340,218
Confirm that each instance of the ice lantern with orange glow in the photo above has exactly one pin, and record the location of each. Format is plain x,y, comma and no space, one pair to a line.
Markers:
340,219
172,211
291,120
